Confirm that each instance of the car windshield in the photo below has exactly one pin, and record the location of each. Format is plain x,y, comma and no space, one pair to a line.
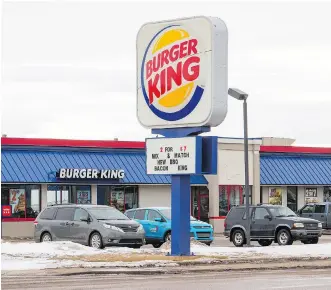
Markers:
107,213
167,214
282,211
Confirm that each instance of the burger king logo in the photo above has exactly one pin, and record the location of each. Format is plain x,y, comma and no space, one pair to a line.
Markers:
170,73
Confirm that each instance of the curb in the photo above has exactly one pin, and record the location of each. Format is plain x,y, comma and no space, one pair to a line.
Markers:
209,269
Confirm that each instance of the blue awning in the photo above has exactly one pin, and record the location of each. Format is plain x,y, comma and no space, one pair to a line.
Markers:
284,169
40,166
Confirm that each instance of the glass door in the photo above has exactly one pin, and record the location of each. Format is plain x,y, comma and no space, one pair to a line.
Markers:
292,198
200,203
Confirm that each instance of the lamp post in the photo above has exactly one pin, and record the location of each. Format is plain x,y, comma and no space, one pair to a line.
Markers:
242,96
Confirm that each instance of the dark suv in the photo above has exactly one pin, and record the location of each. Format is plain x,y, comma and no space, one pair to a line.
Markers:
271,223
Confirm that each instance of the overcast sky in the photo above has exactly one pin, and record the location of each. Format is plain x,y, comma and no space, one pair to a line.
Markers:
69,67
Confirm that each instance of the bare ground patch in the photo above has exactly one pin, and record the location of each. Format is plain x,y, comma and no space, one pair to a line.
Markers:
134,258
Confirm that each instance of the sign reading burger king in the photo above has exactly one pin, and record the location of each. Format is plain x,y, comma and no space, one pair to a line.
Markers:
182,73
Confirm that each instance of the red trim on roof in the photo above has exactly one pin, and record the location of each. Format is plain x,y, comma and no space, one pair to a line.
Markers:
295,149
72,143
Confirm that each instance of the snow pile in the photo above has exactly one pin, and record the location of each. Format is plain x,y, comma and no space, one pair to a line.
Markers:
60,249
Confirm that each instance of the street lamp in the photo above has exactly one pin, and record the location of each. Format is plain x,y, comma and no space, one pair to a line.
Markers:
242,96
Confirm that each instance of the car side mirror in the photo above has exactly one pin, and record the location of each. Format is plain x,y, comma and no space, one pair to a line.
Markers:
158,220
86,219
268,217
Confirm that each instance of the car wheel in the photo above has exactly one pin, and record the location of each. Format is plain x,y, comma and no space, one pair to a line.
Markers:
167,237
46,237
284,238
96,241
264,243
238,238
156,246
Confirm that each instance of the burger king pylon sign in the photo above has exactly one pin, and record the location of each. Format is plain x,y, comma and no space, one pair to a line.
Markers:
182,73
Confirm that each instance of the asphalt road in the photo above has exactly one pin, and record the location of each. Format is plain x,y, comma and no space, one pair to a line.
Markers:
287,280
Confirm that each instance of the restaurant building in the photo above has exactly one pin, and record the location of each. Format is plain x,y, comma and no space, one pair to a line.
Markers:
39,172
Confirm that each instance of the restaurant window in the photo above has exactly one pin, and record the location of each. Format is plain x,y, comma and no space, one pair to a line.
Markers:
327,194
311,195
244,196
121,197
81,194
230,196
292,198
63,194
58,194
25,200
276,195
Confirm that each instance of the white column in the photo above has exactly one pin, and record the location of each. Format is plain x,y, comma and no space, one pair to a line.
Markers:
284,198
256,177
301,196
214,203
94,198
43,196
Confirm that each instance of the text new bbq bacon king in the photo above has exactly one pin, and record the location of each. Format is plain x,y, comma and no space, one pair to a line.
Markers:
161,71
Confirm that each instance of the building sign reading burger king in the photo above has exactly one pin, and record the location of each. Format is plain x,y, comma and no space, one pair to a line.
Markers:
182,73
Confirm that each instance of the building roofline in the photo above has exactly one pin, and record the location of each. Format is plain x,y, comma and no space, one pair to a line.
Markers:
295,149
9,141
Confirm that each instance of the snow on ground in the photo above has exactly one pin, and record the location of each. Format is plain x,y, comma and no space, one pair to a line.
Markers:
30,255
319,250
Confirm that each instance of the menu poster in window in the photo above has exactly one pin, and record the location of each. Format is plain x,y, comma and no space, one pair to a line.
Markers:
311,195
275,196
117,200
17,200
83,196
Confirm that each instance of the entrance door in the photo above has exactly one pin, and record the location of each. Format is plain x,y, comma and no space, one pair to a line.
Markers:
200,203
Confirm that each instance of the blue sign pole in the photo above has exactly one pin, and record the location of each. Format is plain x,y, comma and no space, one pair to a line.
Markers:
180,197
180,215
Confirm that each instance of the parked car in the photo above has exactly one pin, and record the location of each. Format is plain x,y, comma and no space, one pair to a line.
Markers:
97,226
318,211
271,223
157,225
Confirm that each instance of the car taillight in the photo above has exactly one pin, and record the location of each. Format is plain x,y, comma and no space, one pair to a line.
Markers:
35,223
224,223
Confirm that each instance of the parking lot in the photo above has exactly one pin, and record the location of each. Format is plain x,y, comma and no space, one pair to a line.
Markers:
221,241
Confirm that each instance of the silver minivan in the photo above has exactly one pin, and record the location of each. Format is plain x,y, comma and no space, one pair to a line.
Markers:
97,226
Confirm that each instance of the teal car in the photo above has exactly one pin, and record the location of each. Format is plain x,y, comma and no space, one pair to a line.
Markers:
157,225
